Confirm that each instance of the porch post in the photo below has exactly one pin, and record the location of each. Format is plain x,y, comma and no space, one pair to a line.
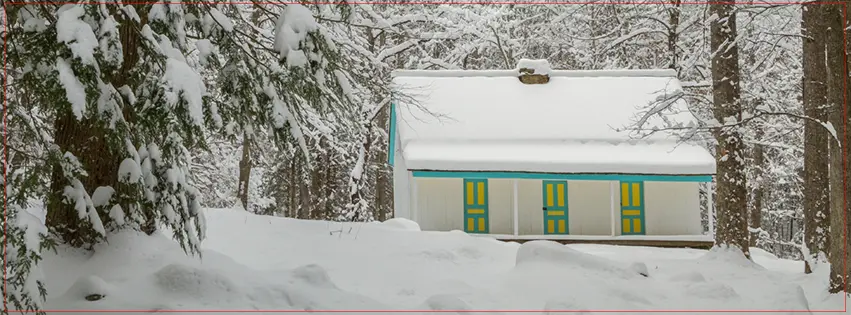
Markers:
613,201
710,209
516,210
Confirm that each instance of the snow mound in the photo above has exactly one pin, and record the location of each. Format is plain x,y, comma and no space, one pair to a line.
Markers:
88,286
690,276
629,299
402,224
639,268
470,252
305,269
539,66
178,279
314,275
712,290
792,297
554,307
549,252
446,302
759,252
438,255
729,255
153,273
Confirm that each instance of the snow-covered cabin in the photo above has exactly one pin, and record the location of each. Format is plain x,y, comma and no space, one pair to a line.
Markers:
547,154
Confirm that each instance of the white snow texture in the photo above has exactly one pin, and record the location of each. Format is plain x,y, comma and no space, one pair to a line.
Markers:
394,266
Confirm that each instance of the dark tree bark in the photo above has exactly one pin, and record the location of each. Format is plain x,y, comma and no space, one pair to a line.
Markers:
755,218
317,182
292,193
731,201
816,193
244,171
86,140
837,56
674,13
382,178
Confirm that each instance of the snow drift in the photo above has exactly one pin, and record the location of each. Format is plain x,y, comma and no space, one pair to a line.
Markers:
266,263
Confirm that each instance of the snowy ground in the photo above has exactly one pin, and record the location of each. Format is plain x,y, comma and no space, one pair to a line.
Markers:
266,263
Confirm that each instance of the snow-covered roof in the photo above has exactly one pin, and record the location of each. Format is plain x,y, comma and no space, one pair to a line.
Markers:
558,157
489,121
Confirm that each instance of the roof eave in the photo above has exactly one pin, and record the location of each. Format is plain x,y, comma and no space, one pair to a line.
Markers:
670,73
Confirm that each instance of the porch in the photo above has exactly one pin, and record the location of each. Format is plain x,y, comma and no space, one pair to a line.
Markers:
662,211
671,241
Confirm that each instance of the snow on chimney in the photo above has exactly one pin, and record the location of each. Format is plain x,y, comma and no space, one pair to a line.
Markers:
533,71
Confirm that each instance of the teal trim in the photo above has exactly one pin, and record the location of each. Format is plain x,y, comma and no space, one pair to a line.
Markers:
631,218
559,221
554,176
391,150
476,219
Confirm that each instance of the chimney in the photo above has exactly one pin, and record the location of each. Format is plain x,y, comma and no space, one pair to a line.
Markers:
531,71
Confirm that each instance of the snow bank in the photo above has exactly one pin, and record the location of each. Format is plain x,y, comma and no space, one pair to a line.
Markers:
194,283
89,287
402,224
554,307
554,253
268,263
761,253
152,273
690,276
446,302
729,255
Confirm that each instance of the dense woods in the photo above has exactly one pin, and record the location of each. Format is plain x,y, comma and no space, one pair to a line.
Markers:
283,110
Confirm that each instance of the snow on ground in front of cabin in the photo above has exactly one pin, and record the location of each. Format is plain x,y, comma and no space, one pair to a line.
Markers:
267,263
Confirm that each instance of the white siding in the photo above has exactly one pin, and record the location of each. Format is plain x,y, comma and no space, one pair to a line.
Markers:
401,186
670,208
590,206
531,205
501,206
440,203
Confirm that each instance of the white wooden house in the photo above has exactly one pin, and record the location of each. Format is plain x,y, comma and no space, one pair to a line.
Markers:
485,153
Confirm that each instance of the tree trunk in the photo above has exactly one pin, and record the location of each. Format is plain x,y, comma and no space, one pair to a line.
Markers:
836,56
673,34
244,171
305,202
86,141
755,218
358,180
319,198
330,187
292,206
731,201
382,171
816,193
